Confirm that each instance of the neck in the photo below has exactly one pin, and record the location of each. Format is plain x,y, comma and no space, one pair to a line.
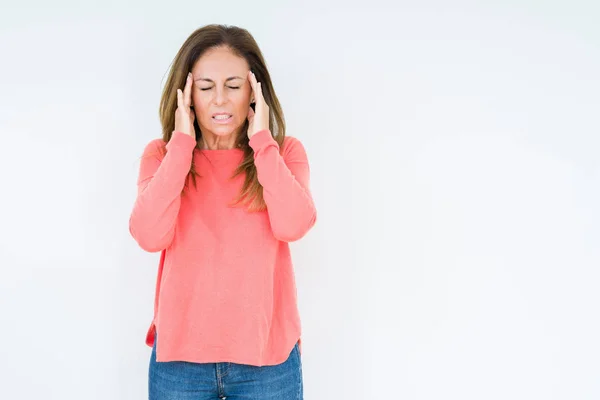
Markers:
210,141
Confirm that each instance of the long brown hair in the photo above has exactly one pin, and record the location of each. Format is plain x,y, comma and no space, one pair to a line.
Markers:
241,43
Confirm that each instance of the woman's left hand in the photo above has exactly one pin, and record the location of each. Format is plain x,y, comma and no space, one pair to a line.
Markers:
259,119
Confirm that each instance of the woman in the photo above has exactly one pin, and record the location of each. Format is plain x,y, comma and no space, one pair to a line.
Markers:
221,195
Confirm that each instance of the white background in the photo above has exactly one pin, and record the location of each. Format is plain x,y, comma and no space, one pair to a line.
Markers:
454,157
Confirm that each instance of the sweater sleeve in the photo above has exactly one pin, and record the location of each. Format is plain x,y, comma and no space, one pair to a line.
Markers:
159,185
285,179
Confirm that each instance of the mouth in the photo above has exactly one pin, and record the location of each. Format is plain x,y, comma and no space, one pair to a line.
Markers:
222,118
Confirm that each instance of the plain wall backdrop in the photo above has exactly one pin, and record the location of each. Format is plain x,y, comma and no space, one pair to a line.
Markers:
454,158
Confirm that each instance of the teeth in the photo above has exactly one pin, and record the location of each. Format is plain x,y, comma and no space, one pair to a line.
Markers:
221,116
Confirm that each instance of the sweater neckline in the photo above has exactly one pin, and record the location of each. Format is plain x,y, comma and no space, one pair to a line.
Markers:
222,154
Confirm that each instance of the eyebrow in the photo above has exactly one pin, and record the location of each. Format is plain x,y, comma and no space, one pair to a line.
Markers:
226,80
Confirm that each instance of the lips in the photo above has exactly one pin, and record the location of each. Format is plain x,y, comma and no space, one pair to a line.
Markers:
222,120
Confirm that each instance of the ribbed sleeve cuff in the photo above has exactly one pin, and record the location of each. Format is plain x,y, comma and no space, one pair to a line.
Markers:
181,141
262,139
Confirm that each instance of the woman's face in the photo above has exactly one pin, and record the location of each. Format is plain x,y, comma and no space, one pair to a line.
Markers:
220,84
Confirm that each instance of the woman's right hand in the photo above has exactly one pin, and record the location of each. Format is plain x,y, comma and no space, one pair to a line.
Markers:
184,115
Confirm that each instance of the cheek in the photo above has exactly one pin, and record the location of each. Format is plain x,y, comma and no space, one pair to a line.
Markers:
201,104
198,99
242,104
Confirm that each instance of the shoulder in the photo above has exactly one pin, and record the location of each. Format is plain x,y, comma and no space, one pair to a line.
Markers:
154,145
155,148
292,143
293,149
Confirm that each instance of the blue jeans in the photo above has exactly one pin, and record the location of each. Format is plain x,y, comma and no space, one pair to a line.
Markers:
184,380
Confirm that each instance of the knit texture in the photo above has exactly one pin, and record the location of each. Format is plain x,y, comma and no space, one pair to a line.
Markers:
225,288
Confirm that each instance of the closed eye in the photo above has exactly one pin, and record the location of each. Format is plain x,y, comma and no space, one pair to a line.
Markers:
230,87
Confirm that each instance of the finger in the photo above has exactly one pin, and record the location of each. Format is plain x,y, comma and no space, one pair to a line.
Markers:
187,91
179,99
256,85
259,96
252,81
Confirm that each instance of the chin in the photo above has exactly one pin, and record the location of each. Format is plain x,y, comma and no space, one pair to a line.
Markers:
225,129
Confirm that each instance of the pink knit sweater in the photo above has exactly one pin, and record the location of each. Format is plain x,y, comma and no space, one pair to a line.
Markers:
225,288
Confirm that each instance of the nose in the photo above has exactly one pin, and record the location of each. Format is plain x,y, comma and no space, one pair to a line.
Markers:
220,96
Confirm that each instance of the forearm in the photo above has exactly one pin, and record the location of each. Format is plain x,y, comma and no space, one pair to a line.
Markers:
285,185
154,215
